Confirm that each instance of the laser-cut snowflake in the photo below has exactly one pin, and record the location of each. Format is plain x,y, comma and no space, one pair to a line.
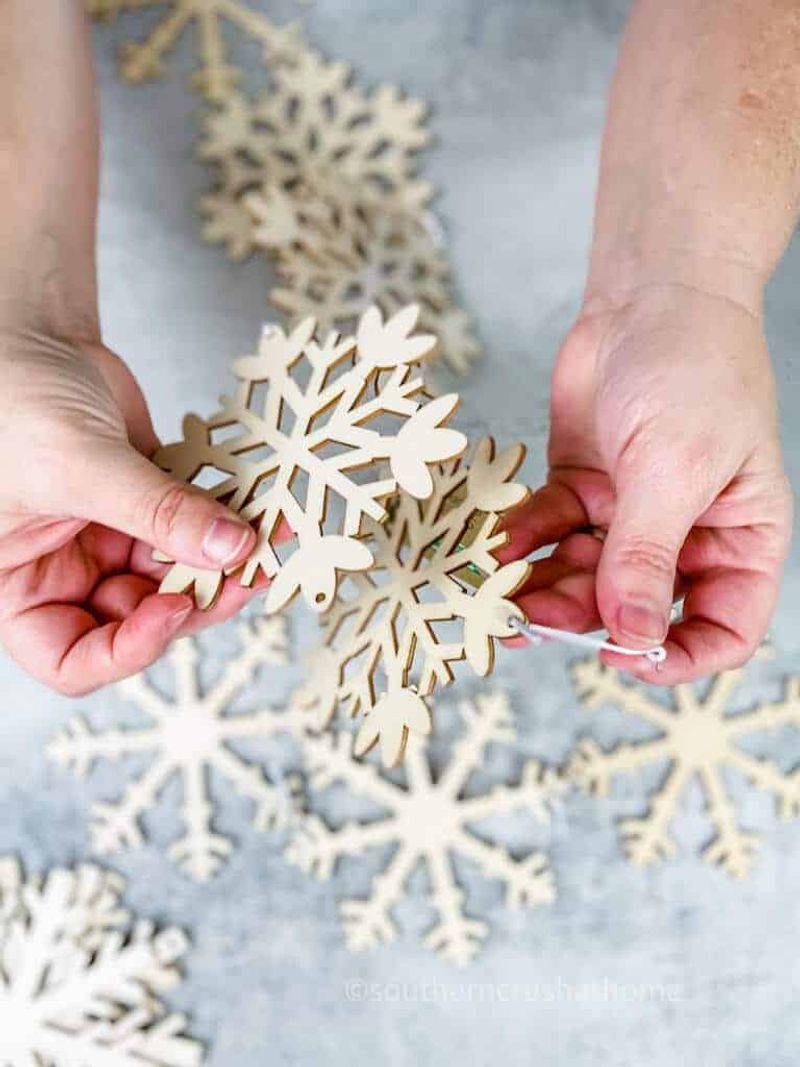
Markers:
142,61
388,644
317,132
80,987
697,736
383,258
297,451
189,735
431,820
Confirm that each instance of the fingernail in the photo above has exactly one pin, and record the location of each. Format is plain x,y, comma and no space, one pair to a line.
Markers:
224,541
642,622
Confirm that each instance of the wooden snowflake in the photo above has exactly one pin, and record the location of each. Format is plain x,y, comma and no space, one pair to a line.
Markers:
697,737
317,132
431,821
78,985
189,736
313,453
436,595
142,61
333,271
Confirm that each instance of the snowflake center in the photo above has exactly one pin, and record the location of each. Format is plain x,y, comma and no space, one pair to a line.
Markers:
190,733
428,818
699,735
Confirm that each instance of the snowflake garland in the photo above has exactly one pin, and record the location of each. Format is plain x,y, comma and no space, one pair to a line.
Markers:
395,638
698,739
314,167
189,735
297,451
430,820
78,985
142,61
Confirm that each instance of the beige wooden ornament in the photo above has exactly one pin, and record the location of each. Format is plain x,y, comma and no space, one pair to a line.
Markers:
697,737
383,258
188,736
142,61
435,595
431,819
314,454
317,130
80,983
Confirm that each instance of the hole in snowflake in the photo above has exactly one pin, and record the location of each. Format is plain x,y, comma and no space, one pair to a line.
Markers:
207,477
286,420
298,486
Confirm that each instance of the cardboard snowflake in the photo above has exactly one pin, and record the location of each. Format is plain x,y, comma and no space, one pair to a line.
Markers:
436,594
314,452
80,987
697,737
142,61
431,819
189,736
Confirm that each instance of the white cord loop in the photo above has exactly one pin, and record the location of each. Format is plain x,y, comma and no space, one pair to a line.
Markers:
537,634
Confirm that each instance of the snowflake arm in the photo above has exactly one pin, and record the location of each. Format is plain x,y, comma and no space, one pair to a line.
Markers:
216,79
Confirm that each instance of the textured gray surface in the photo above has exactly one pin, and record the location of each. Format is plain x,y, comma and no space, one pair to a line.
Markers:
517,88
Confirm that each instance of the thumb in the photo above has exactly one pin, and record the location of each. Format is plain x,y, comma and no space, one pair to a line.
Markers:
637,571
117,487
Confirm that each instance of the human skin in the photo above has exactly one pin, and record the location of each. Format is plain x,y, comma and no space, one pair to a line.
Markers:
663,414
81,506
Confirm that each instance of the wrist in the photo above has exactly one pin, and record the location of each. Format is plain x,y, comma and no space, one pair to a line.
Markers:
621,270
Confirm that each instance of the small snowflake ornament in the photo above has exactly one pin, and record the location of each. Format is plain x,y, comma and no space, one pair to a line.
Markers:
188,736
314,453
142,61
80,987
316,131
436,595
334,271
697,737
430,819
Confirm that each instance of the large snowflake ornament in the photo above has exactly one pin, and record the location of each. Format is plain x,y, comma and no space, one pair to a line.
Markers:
142,61
431,820
313,453
80,987
188,736
436,594
697,737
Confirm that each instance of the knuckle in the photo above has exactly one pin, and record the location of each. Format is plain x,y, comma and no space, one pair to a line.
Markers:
164,510
647,556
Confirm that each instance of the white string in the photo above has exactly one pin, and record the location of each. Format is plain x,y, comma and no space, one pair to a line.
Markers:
537,633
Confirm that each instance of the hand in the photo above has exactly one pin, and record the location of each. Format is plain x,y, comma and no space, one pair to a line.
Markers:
664,434
81,509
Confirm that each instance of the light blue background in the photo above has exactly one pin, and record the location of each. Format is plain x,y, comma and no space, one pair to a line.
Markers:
517,88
